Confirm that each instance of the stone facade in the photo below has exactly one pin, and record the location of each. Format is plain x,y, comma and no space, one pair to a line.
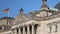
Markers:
45,21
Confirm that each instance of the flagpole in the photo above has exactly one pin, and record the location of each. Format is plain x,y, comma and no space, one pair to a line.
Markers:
7,10
8,18
8,13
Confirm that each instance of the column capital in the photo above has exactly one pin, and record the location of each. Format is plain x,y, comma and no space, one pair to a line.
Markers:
32,24
24,26
28,25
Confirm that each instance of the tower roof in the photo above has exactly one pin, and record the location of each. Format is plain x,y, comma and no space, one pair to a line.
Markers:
44,5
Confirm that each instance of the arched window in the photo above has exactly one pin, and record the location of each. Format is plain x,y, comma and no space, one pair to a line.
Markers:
49,27
56,28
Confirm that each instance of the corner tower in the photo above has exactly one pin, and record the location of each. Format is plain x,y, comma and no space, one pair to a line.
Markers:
44,5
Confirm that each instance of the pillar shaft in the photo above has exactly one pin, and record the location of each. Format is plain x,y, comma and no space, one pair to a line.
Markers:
24,30
38,29
32,29
28,30
19,30
15,31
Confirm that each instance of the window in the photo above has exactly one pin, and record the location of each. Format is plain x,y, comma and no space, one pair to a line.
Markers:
50,29
56,28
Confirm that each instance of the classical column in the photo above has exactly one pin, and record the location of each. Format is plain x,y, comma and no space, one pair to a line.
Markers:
32,29
42,28
19,30
38,29
24,30
28,30
15,31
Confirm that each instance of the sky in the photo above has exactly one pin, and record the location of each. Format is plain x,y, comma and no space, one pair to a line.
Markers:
27,5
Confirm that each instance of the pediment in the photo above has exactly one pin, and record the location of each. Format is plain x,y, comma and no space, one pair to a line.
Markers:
21,19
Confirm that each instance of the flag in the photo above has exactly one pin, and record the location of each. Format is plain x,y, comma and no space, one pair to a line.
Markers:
6,10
